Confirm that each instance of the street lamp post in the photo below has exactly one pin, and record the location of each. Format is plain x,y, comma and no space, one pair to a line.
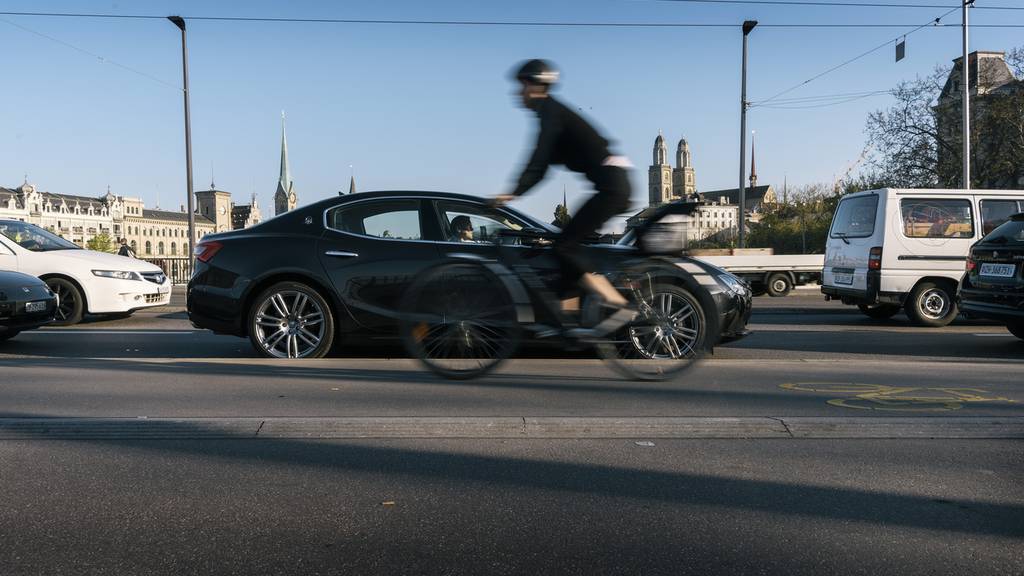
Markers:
965,97
747,27
180,23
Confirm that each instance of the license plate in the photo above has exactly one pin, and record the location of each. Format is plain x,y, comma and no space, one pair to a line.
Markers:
997,270
39,306
163,289
844,278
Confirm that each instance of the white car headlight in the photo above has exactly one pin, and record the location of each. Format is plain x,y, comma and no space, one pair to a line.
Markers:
732,283
117,274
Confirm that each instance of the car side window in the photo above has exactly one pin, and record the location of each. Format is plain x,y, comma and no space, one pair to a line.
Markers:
995,212
937,218
484,222
394,219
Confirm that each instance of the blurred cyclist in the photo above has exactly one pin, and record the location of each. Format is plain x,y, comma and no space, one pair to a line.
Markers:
567,139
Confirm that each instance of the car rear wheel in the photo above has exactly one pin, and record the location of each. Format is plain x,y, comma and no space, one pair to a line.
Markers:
1016,329
7,335
778,285
71,305
879,311
931,304
291,320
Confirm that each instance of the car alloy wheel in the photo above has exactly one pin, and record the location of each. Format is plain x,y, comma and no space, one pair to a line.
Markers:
70,307
291,320
674,328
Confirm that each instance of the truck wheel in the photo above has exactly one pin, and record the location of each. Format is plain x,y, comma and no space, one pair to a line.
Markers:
879,311
931,304
1016,329
779,285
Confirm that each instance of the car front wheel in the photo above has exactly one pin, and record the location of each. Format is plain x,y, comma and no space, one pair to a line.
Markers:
71,305
291,320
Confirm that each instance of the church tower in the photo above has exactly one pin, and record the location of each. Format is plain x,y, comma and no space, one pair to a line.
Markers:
659,175
285,198
684,180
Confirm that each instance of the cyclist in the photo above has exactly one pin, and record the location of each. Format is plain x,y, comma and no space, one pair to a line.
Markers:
567,139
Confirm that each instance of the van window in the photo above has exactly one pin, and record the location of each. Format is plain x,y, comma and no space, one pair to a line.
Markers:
995,212
855,217
937,218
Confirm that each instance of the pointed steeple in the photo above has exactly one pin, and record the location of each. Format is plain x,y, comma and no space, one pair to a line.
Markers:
565,203
660,152
753,165
352,184
284,197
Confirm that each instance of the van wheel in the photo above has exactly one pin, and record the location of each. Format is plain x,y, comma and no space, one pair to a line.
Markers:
879,311
1016,329
930,304
778,285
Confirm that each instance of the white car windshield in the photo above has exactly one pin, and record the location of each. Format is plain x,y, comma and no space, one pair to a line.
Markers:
34,238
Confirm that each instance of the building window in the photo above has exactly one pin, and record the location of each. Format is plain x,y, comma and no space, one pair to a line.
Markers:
160,248
149,247
174,249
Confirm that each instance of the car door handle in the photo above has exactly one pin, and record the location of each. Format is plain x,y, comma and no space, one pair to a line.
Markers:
341,254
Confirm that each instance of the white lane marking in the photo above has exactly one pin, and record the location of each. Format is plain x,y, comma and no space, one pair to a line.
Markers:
990,335
104,332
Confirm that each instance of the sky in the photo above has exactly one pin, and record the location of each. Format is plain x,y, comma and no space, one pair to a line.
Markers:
91,103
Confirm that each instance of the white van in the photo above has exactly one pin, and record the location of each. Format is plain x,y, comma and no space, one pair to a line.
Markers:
899,248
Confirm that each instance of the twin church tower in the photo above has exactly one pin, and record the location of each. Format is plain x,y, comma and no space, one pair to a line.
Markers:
666,184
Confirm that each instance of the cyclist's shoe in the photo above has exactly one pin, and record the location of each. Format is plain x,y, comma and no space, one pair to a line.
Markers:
620,315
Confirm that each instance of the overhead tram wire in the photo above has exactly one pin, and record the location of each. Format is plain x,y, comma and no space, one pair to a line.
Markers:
824,3
552,24
854,59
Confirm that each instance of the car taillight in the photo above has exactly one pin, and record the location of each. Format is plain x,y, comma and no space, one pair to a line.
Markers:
875,258
205,250
971,264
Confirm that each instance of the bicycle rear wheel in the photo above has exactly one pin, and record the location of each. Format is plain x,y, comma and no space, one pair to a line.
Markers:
459,320
666,338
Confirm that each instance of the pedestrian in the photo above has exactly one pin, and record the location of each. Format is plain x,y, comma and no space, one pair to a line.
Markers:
125,249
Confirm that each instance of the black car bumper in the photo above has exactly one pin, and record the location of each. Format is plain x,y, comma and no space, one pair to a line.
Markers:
734,314
1004,307
14,318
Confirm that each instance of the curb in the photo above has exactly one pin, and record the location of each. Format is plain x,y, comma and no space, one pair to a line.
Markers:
523,427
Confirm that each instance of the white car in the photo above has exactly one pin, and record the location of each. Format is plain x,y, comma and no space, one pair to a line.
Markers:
87,282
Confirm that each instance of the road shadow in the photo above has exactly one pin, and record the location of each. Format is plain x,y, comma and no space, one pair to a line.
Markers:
783,499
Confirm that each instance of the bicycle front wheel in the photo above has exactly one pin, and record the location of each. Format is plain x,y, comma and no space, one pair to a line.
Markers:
667,336
459,320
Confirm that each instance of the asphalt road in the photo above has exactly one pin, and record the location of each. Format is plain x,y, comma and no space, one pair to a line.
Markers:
823,443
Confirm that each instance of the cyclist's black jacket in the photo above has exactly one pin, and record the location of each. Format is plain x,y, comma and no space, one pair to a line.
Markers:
564,139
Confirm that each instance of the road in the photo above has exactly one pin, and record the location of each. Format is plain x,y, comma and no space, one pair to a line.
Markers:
823,443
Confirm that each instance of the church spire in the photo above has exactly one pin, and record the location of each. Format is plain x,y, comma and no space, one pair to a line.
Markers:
352,184
660,152
286,177
753,165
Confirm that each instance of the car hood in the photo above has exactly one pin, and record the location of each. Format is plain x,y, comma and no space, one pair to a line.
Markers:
104,261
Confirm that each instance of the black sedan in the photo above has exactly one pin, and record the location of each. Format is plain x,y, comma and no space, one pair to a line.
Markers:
340,267
993,286
25,303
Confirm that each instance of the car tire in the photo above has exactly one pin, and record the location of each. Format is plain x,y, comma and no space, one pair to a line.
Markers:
294,315
931,304
778,285
879,311
8,334
1016,329
72,303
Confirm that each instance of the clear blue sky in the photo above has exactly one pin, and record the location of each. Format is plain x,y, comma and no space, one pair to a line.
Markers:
429,107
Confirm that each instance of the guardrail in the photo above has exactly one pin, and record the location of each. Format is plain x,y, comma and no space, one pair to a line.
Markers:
178,269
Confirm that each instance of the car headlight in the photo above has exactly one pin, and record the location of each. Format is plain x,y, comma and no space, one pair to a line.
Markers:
117,274
734,284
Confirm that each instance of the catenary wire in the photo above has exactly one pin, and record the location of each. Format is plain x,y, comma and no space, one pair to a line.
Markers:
834,4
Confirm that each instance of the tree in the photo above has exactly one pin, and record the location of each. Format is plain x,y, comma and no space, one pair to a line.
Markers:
917,143
799,225
561,216
101,242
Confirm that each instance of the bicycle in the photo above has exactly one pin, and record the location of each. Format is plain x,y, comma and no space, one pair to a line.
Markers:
465,316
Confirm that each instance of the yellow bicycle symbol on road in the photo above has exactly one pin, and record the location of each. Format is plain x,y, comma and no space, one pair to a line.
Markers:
896,398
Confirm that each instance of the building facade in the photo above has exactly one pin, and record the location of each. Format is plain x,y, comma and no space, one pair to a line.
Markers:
151,233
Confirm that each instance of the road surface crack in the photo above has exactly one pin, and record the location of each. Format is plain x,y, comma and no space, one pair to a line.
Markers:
784,425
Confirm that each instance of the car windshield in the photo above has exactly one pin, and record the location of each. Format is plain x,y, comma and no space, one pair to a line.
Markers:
34,238
1009,233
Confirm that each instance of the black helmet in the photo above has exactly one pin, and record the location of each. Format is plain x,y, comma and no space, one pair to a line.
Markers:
537,72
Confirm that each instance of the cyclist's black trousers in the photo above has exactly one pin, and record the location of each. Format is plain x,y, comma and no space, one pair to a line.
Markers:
612,198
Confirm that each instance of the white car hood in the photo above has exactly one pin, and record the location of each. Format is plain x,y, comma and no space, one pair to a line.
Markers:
101,260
